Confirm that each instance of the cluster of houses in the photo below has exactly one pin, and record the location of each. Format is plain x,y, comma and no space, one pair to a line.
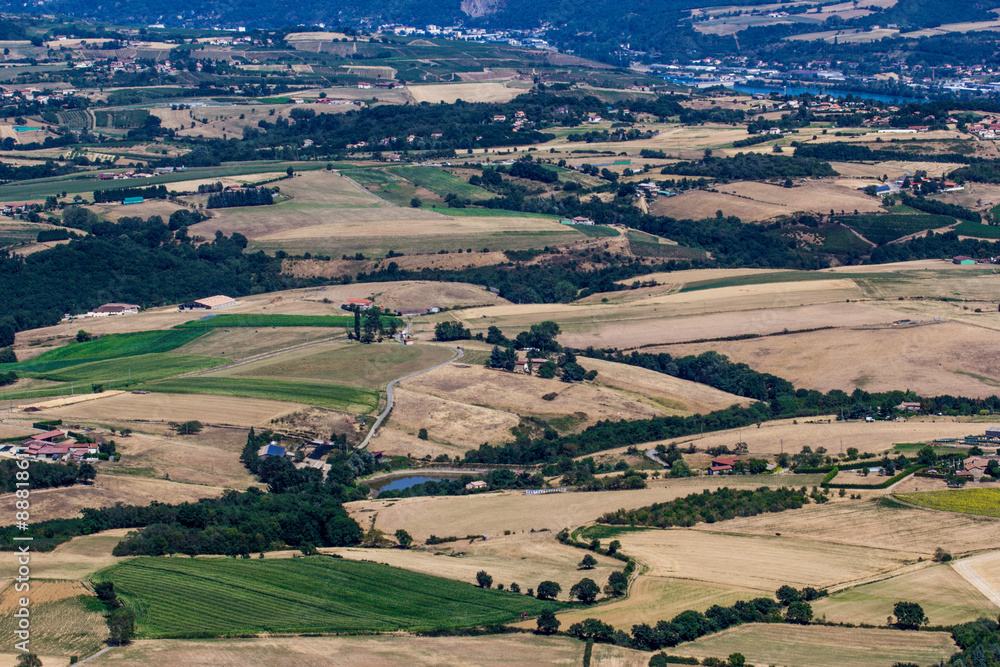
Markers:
385,85
10,210
313,454
55,445
986,128
107,310
728,465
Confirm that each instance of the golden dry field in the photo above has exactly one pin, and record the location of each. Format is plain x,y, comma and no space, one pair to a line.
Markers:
526,559
480,91
77,559
493,513
784,645
932,359
61,626
378,651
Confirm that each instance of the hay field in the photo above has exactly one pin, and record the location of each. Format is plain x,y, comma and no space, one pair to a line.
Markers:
774,436
129,407
968,26
245,342
522,394
763,321
873,526
933,359
757,562
481,91
492,513
652,598
66,503
525,558
61,626
893,169
641,322
674,394
453,426
144,210
983,572
77,559
375,651
698,275
785,645
329,214
370,366
945,596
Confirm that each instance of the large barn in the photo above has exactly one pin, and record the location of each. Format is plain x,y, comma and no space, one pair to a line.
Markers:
208,303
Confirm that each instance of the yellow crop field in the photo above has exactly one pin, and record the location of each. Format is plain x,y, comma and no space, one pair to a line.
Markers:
982,502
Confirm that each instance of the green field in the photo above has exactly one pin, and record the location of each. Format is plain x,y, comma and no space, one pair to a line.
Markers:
882,228
110,346
206,597
595,231
334,396
255,320
441,182
984,502
139,368
87,182
978,230
825,239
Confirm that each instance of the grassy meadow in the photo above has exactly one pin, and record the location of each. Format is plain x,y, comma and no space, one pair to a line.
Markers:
205,597
337,397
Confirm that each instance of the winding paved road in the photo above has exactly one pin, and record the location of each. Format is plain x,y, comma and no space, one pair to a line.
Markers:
389,397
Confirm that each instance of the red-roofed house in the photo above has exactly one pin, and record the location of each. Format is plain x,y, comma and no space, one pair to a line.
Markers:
723,465
360,304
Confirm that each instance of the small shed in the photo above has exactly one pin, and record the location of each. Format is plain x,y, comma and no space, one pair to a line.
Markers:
963,260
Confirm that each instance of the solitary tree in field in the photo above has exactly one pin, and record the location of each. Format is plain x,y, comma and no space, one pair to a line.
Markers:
483,579
799,612
189,428
548,590
404,539
909,615
585,590
547,623
121,623
617,584
587,563
32,660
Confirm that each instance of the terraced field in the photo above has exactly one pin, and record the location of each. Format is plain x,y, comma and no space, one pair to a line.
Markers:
207,597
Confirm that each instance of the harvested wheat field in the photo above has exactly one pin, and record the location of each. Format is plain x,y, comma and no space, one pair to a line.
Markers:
698,275
983,572
946,597
375,651
932,359
673,394
763,563
526,559
651,599
77,559
753,302
522,394
61,626
177,407
874,525
66,503
628,334
493,513
453,424
210,458
784,645
144,210
754,201
485,91
785,435
15,430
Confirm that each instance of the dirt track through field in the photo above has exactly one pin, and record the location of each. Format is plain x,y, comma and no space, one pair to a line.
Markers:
969,570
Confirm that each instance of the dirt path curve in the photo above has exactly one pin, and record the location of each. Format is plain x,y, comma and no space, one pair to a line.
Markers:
259,357
966,568
459,352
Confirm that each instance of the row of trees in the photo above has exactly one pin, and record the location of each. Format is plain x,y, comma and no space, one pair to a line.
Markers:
242,197
710,506
152,192
753,167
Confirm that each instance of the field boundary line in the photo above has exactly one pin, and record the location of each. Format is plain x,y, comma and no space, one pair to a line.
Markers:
459,353
965,568
92,656
257,357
